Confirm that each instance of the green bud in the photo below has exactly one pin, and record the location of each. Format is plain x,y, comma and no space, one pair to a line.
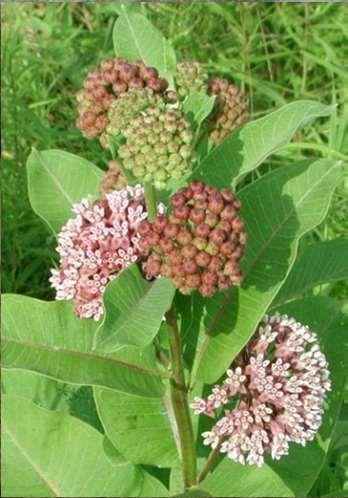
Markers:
186,136
124,152
138,171
185,151
128,163
160,148
140,159
160,175
151,167
173,146
152,138
145,149
175,159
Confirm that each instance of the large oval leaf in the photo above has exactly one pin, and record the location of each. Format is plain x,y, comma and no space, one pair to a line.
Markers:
295,474
278,209
140,428
319,263
247,147
135,37
49,453
56,181
134,310
47,338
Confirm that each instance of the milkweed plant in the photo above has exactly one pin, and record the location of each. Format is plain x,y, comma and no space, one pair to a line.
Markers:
183,304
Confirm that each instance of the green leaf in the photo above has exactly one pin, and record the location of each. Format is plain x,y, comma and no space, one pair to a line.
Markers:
139,428
319,263
49,453
150,485
198,106
278,209
135,37
48,338
56,181
247,147
153,487
293,475
42,391
52,395
134,310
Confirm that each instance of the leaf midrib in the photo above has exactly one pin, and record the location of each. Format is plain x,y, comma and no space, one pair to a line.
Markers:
36,468
120,363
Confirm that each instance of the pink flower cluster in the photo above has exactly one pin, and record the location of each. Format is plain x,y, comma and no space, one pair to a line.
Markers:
96,245
278,383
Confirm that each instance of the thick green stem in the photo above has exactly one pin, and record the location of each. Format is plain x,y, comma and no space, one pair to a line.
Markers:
150,200
180,403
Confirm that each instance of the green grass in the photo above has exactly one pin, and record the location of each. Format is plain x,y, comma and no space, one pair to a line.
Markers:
276,52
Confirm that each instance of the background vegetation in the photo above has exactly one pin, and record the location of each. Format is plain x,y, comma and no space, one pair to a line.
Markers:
276,52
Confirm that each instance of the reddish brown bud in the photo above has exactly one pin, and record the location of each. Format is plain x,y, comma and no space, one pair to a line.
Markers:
175,258
206,290
177,200
227,248
237,224
228,213
197,215
182,212
153,238
227,195
189,251
153,268
171,230
216,203
202,230
184,237
160,223
217,236
166,245
215,264
202,259
190,267
193,281
144,228
209,278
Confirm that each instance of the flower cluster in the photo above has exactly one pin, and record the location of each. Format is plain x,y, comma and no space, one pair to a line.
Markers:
96,245
190,77
230,109
105,84
158,145
113,179
201,242
279,383
123,109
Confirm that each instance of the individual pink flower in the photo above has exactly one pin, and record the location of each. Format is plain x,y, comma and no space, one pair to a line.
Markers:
95,245
278,385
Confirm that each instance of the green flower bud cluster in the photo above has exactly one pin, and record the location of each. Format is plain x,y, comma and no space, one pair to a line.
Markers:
159,145
191,77
122,110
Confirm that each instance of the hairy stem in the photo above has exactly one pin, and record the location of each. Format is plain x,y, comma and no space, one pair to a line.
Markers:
180,403
150,200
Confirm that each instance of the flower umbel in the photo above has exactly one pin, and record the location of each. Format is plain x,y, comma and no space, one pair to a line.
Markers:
279,382
200,243
96,245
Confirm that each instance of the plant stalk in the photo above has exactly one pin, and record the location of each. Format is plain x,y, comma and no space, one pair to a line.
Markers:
150,201
180,403
209,463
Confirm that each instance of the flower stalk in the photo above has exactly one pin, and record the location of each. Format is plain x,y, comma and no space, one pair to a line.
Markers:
150,201
180,404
